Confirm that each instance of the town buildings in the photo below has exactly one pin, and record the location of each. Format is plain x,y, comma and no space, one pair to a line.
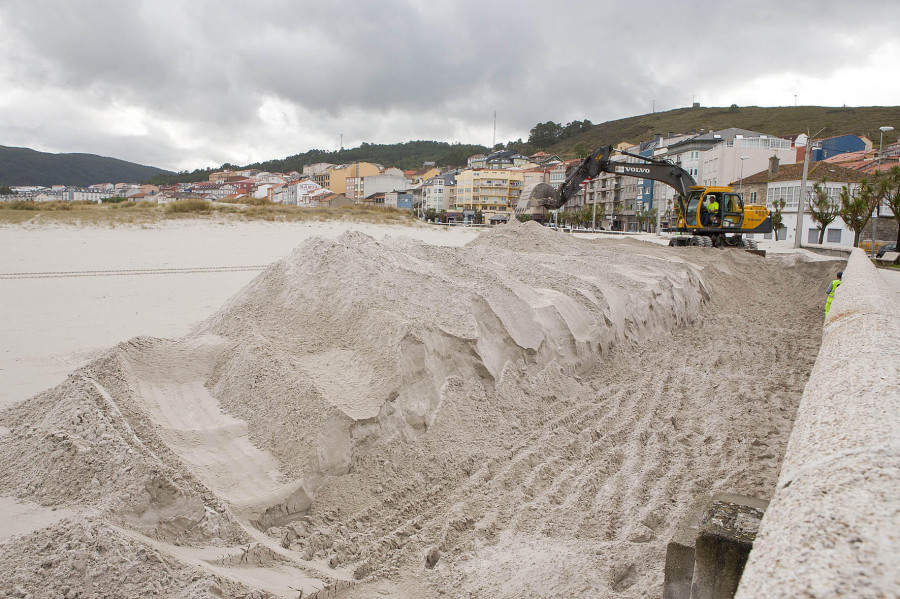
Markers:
764,167
783,182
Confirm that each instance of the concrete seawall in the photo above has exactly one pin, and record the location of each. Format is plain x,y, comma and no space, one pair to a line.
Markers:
833,526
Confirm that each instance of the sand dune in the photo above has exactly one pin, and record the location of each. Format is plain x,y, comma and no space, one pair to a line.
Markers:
527,414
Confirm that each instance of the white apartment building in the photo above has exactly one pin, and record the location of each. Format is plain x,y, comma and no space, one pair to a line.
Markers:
296,193
439,193
721,164
311,170
358,188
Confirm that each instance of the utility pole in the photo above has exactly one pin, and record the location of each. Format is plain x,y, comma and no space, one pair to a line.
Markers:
798,228
493,145
802,198
878,204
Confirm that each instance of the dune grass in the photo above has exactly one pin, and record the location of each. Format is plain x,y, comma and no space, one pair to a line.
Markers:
141,213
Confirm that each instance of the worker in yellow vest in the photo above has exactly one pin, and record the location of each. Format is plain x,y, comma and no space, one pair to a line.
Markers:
831,288
713,210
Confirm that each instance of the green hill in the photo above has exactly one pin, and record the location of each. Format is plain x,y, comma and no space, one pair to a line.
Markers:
781,121
407,156
23,166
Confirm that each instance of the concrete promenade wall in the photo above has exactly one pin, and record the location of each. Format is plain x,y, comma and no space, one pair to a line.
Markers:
828,250
833,526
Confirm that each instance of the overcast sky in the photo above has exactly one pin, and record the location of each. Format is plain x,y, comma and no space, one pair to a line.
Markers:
183,84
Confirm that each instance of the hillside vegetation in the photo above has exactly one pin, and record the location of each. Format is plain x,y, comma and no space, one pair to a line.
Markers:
407,156
23,166
781,121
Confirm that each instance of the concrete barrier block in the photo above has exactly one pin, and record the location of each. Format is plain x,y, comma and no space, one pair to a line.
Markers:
679,568
709,537
726,536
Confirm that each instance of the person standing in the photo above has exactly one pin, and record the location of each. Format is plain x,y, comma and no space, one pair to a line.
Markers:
830,291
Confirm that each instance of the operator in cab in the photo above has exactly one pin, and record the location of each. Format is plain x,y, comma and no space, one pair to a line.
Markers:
709,215
713,211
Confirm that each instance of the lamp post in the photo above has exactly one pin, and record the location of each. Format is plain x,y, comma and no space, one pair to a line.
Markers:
741,192
880,145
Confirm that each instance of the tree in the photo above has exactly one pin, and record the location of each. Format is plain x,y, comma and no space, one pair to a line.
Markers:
574,128
479,217
821,208
888,185
777,216
856,207
430,214
5,191
643,217
585,216
544,135
601,213
617,208
581,152
523,218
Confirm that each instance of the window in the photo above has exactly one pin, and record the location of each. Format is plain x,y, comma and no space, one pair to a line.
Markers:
833,235
812,236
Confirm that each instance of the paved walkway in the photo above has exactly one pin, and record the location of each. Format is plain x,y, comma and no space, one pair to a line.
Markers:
892,277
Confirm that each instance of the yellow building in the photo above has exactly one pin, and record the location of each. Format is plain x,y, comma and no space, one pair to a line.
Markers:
492,191
420,176
335,178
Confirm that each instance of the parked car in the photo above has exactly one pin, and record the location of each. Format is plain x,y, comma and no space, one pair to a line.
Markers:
890,247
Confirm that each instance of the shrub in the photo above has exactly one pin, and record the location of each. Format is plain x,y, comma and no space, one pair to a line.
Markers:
113,200
187,206
20,205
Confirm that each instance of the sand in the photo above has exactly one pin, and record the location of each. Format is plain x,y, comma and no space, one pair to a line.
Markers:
63,321
526,414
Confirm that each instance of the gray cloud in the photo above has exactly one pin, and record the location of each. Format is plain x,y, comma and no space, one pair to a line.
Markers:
187,84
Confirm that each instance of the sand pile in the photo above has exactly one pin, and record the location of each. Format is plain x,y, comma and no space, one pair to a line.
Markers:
528,413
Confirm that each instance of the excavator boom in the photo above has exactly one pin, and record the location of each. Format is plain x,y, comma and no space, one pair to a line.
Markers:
599,162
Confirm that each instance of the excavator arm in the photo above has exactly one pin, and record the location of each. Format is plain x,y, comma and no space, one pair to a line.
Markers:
599,162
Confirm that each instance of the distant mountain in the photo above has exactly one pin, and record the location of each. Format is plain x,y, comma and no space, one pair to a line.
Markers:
23,166
778,121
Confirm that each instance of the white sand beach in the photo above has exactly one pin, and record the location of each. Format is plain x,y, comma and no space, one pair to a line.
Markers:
416,412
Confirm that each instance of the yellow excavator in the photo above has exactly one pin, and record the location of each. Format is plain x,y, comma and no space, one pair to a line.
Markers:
698,220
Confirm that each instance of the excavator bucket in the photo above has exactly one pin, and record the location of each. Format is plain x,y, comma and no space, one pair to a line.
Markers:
536,199
540,195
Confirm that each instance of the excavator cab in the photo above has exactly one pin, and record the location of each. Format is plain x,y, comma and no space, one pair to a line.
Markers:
728,215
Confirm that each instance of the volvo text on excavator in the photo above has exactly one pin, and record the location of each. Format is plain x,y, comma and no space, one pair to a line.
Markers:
704,216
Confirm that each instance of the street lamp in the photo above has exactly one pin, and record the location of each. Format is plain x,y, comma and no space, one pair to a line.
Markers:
741,192
880,145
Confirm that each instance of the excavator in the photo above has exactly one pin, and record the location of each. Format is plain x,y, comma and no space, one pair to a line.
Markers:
695,223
